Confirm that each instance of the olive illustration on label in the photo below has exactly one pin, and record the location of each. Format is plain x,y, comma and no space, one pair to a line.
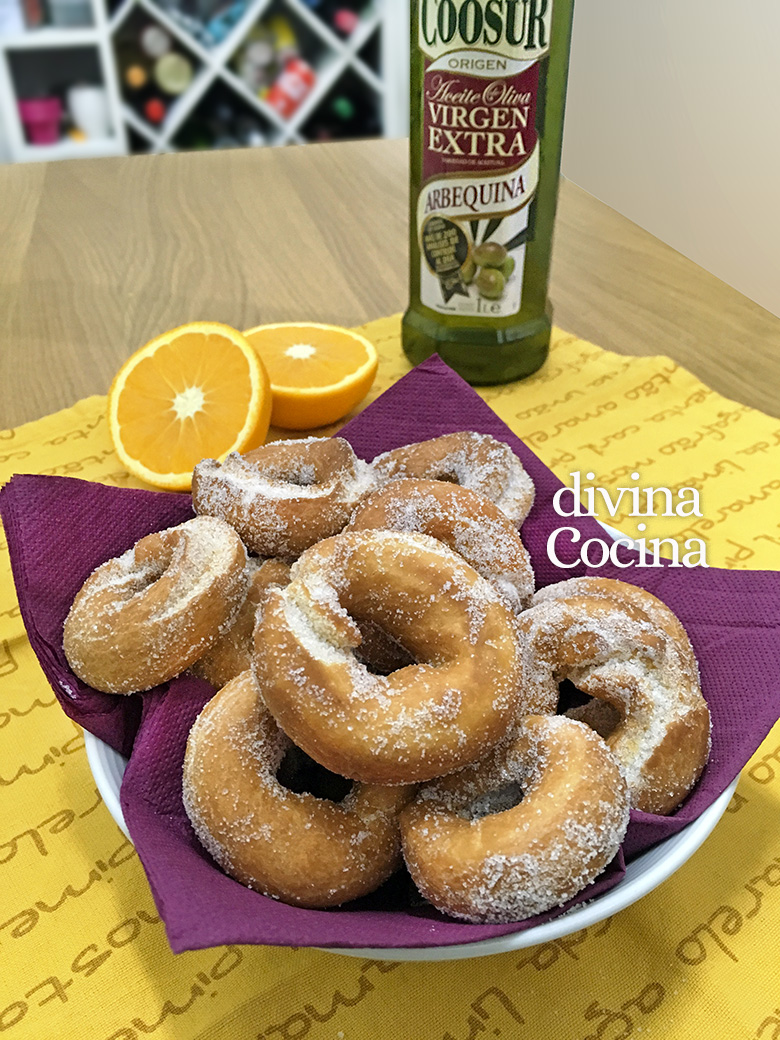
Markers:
489,254
468,270
490,283
508,267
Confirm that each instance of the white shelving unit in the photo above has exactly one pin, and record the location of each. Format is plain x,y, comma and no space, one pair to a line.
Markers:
42,44
382,27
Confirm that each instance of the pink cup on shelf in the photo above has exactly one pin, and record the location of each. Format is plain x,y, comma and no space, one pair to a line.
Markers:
41,118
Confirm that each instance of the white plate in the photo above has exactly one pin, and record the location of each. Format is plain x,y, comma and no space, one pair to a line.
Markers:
643,874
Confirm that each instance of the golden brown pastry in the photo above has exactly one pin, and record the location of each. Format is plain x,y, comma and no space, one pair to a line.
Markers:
524,830
232,652
285,496
466,521
436,715
146,616
296,847
473,460
621,645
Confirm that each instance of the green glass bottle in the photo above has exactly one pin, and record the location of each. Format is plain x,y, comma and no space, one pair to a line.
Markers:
488,89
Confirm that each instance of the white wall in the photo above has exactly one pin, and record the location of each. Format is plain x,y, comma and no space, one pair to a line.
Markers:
673,119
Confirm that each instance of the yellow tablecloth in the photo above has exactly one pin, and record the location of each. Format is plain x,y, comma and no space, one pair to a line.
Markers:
84,954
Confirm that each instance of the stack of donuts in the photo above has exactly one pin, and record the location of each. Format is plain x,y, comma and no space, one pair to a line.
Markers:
390,682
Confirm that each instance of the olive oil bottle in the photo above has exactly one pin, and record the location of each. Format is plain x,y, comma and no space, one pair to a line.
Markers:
488,87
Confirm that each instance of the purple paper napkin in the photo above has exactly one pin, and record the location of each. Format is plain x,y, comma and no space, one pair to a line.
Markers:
59,529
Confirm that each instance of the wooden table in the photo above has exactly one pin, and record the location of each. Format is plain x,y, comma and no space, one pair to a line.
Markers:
99,256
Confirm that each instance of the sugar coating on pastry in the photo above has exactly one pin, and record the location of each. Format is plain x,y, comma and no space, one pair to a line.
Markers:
473,460
147,615
463,519
285,496
522,831
293,846
231,654
448,708
620,644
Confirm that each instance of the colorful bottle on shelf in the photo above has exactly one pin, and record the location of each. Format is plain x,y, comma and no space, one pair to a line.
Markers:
488,89
292,87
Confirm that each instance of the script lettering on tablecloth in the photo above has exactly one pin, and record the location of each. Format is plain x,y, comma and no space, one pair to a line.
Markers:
50,758
727,920
482,1015
54,824
771,1023
8,663
23,922
738,801
79,433
7,717
546,954
649,999
86,962
763,771
300,1022
205,983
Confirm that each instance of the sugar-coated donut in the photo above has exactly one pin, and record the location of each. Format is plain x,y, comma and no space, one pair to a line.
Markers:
424,720
473,460
232,652
522,831
285,496
146,616
464,520
296,847
620,644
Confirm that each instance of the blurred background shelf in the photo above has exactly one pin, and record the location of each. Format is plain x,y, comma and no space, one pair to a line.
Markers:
197,74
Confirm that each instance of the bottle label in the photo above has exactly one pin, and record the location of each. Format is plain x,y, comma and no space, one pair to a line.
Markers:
480,150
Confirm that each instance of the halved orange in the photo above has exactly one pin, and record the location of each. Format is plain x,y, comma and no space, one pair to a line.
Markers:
318,373
198,391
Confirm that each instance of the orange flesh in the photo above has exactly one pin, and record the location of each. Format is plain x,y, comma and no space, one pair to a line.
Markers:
335,356
147,414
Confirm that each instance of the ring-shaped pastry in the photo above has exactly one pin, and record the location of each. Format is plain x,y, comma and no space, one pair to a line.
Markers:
521,832
621,645
421,721
473,460
232,652
301,849
146,616
466,521
285,496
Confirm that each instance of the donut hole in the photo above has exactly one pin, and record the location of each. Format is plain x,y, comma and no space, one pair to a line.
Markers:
499,800
302,775
379,652
601,716
152,557
305,476
302,475
570,697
